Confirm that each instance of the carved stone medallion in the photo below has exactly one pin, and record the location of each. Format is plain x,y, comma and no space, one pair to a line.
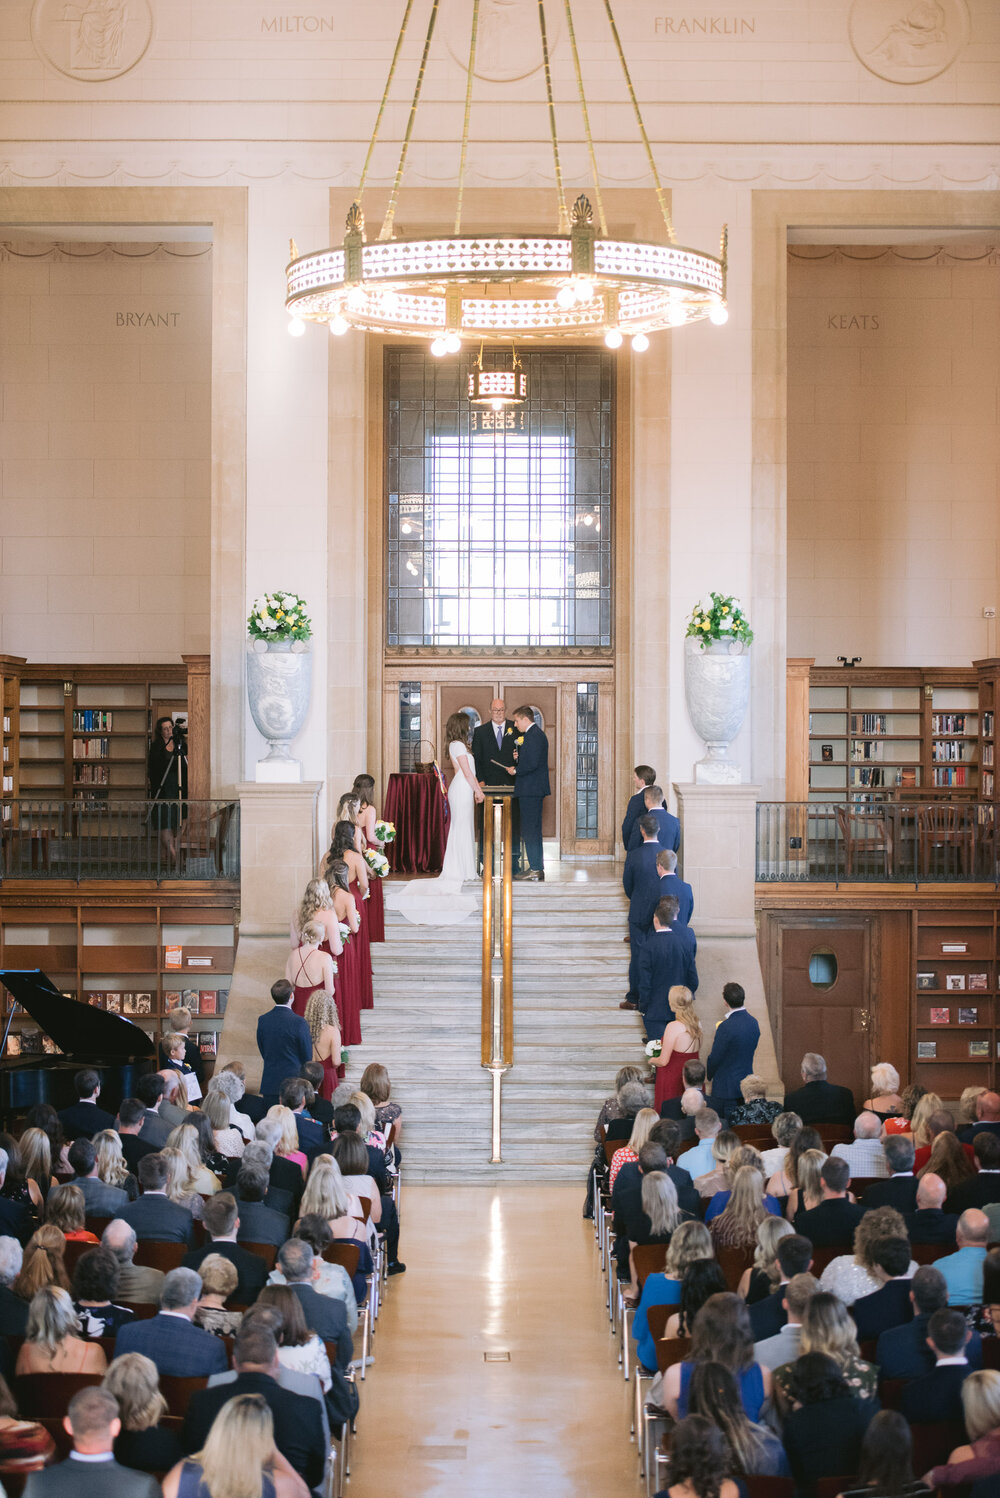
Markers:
92,40
908,41
508,42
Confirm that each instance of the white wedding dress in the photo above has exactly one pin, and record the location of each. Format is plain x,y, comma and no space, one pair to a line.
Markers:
440,901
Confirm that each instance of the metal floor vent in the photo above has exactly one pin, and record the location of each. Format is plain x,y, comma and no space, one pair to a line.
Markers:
496,1357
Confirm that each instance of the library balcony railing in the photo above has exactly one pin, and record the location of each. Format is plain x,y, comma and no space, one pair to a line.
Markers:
113,839
877,842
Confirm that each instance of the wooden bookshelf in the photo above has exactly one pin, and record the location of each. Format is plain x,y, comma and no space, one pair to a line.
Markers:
10,736
989,700
955,980
110,947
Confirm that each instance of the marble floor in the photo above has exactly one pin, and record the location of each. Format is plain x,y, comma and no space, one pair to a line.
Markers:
495,1269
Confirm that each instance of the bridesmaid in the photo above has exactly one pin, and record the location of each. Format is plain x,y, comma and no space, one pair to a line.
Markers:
317,905
324,1027
364,789
681,1040
351,968
309,969
345,846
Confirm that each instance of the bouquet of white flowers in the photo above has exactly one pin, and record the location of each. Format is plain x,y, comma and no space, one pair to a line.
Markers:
653,1048
385,832
377,862
279,616
345,932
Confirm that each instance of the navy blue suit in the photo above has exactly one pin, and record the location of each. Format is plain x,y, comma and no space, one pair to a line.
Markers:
633,811
531,786
669,835
641,882
672,887
666,958
731,1057
284,1042
178,1349
902,1352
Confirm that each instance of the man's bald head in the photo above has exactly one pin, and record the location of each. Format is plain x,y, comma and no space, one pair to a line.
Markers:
973,1228
171,1081
988,1107
867,1126
931,1192
498,710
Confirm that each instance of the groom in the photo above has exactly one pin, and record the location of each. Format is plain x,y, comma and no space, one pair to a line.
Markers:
531,786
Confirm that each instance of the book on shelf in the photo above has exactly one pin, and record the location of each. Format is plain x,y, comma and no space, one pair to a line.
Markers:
867,749
954,982
979,1048
987,724
128,1003
949,722
91,748
208,1044
872,777
869,723
49,1047
192,999
986,758
940,1016
951,777
950,749
95,999
979,982
221,1000
173,956
206,1000
90,719
13,1045
90,774
31,1042
926,1050
968,1016
143,1003
171,1000
927,980
113,1002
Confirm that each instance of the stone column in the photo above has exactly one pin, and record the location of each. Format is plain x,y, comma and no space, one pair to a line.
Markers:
279,853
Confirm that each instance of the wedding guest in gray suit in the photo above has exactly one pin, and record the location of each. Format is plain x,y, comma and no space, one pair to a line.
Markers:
90,1469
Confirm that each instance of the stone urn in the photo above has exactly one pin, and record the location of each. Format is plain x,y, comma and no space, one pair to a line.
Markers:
279,684
717,690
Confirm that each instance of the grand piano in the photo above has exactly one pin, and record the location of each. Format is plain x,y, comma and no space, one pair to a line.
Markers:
120,1050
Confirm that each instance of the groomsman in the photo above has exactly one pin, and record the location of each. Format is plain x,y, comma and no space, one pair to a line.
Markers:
666,959
641,883
531,786
669,828
644,777
672,886
731,1056
492,741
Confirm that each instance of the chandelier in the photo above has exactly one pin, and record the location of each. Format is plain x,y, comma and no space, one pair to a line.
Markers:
577,282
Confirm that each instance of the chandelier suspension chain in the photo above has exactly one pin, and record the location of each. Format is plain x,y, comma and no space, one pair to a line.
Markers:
660,194
465,121
560,189
385,100
602,220
390,212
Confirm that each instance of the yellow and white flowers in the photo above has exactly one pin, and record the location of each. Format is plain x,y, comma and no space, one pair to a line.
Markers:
279,616
719,616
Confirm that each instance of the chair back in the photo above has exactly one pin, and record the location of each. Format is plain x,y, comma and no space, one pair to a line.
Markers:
829,1487
929,1253
163,1256
344,1253
753,1133
991,1353
266,1251
610,1145
177,1391
669,1352
934,1442
890,1392
860,1184
366,1207
648,1258
733,1262
825,1255
141,1310
834,1133
769,1487
96,1225
687,1144
48,1394
74,1248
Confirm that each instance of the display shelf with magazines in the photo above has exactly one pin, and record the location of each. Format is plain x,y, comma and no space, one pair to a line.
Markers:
955,979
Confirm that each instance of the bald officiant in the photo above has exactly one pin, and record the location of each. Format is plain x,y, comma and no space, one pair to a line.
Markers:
493,748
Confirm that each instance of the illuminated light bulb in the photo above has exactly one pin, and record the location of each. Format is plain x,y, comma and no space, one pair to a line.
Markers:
677,315
296,327
496,405
566,297
406,527
613,338
588,519
356,299
584,290
640,343
452,343
719,314
439,348
338,327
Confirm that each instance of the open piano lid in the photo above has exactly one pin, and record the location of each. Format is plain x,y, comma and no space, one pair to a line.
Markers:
79,1029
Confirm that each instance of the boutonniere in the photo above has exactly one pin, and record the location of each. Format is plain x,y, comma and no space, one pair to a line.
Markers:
519,740
508,733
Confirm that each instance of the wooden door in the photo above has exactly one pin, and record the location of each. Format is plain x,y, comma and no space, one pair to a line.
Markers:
544,697
460,697
826,999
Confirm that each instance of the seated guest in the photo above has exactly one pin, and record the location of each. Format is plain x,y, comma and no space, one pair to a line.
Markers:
25,1445
667,1134
937,1395
736,1225
36,1162
865,1157
693,1079
111,1167
142,1443
15,1217
785,1345
319,1107
285,1175
691,1241
299,1348
885,1468
258,1223
987,1318
185,1141
13,1309
983,1189
717,1180
613,1108
222,1225
99,1200
327,1196
981,1458
85,1118
131,1117
807,1192
310,1135
963,1270
239,1456
794,1255
755,1108
232,1081
92,1420
890,1306
260,1154
298,1431
181,1182
699,1462
826,1423
351,1155
150,1091
783,1130
174,1104
902,1121
692,1100
764,1274
702,1279
784,1179
818,1101
836,1218
51,1344
95,1285
641,1125
661,1216
154,1217
333,1279
228,1139
987,1117
949,1160
16,1185
177,1347
827,1329
65,1210
856,1274
754,1451
902,1352
138,1284
218,1282
375,1084
699,1160
632,1223
44,1262
721,1334
900,1190
221,1166
633,1096
931,1118
327,1317
885,1099
929,1224
288,1147
43,1116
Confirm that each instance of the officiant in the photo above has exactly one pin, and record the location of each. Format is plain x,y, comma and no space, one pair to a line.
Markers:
493,751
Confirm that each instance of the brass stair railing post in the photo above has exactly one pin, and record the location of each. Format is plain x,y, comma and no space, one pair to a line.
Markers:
497,1019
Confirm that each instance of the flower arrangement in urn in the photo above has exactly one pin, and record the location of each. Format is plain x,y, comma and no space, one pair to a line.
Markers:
279,616
719,616
279,678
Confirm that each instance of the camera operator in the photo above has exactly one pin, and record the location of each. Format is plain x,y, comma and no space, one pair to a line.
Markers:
167,772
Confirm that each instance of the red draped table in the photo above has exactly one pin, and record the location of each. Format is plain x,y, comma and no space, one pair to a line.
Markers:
415,805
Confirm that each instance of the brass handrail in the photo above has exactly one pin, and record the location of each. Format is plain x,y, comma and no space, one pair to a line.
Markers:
497,1018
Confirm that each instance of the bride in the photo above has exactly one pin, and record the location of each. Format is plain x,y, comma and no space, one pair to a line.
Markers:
440,902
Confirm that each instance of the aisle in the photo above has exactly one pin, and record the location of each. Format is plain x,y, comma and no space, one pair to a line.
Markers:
515,1271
